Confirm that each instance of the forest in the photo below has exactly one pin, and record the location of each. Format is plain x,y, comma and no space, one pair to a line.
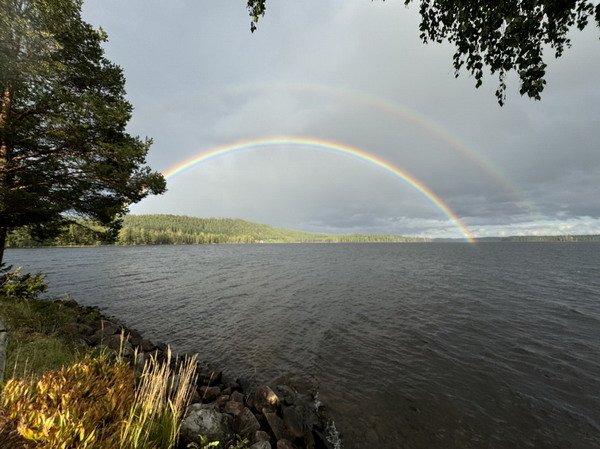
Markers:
184,230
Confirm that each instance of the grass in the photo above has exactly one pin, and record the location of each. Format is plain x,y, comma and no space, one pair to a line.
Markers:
38,338
60,394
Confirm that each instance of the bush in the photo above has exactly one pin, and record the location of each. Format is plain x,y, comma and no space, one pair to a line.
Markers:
95,404
16,285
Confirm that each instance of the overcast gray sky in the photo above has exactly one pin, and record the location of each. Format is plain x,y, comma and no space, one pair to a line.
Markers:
353,72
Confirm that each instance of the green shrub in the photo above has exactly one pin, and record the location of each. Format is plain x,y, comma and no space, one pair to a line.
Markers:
16,285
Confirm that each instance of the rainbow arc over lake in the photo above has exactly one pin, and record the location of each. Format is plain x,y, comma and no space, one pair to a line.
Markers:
331,147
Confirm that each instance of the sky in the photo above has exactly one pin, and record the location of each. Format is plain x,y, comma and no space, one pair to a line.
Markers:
353,73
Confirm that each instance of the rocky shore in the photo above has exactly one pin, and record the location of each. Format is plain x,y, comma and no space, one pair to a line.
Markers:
268,417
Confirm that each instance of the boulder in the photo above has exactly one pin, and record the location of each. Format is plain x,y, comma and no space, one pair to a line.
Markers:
275,424
284,444
260,435
221,401
147,345
287,394
233,407
237,396
246,423
263,398
292,421
115,342
261,445
107,328
212,377
321,442
209,394
204,420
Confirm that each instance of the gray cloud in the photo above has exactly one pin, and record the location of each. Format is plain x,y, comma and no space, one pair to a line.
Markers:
353,72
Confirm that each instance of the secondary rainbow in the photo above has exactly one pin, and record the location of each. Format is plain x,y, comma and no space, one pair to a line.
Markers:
332,147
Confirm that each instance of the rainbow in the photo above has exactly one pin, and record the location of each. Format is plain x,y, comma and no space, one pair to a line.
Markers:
403,112
332,147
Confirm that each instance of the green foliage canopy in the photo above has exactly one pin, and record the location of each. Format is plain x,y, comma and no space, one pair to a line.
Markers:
503,36
64,149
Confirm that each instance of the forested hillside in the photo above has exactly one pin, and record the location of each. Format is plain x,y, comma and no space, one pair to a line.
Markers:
178,229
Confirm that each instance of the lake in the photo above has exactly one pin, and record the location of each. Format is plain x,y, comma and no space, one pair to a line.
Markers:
441,345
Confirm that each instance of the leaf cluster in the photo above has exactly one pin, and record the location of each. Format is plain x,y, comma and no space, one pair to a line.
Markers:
502,36
66,148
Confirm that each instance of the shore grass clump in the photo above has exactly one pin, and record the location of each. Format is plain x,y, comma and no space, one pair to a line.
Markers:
98,404
39,341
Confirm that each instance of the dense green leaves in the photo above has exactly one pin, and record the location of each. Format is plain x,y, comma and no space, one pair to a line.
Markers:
64,147
502,36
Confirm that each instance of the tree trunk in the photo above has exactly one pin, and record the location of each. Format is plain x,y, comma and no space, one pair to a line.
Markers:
3,232
5,157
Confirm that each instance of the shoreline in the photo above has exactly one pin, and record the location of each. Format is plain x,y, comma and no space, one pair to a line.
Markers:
269,417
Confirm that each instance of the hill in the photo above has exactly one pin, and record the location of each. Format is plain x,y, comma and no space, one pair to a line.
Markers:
179,229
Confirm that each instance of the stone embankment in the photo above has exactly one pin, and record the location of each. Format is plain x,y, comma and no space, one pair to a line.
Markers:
277,417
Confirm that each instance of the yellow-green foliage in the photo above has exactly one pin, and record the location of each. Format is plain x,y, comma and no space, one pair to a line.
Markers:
95,404
79,406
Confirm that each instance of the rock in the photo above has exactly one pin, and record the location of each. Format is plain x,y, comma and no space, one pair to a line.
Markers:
261,445
246,423
147,345
212,377
320,441
237,396
94,339
203,419
209,394
284,444
287,394
135,338
275,424
196,398
123,347
108,328
221,401
293,422
233,407
227,391
260,435
263,398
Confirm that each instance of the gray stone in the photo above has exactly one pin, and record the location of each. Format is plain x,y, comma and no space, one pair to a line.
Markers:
147,346
293,422
233,408
237,396
108,328
263,398
209,394
275,424
287,394
284,444
246,423
123,347
261,435
203,419
261,445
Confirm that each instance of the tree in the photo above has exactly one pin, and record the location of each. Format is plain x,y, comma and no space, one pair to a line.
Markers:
503,36
64,149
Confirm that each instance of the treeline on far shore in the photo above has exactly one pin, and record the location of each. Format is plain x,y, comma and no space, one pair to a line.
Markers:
182,230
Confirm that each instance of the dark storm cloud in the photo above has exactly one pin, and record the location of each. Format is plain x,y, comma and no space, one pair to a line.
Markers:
353,72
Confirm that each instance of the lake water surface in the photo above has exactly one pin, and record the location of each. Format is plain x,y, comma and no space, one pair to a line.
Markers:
442,345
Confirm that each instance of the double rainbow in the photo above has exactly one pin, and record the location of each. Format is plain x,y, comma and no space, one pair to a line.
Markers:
332,147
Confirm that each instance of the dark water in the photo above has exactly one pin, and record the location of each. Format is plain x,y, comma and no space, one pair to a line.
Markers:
411,345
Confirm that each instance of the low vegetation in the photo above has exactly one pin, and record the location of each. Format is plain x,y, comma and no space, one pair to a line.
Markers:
59,393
